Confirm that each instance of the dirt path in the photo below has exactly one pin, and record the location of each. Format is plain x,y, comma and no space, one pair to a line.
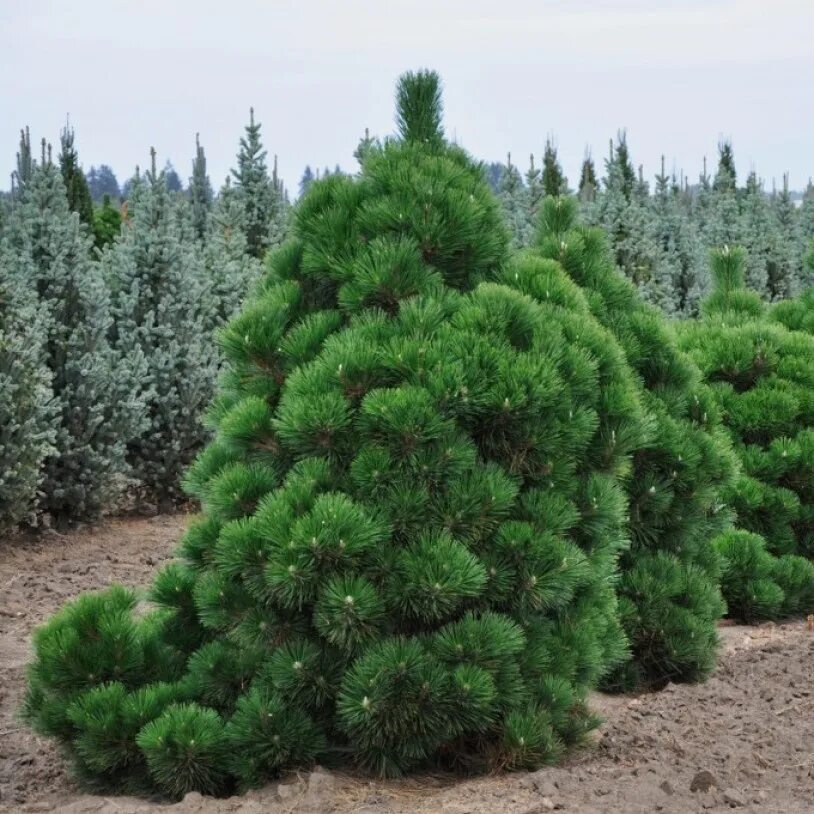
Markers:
751,727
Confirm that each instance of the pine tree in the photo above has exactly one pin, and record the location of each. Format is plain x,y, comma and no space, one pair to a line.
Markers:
412,512
621,156
626,217
365,144
722,219
97,411
260,199
306,180
172,179
76,185
759,233
807,217
588,185
514,199
554,181
786,277
534,191
701,203
726,179
102,181
278,226
26,404
25,162
107,223
762,375
233,272
681,271
163,310
200,191
669,599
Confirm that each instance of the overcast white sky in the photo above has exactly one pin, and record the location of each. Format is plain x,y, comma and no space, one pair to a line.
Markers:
678,74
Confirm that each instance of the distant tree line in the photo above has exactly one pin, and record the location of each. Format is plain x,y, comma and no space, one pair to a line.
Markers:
661,236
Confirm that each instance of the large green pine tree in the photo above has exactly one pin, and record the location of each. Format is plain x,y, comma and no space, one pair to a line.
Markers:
411,510
98,411
668,591
164,311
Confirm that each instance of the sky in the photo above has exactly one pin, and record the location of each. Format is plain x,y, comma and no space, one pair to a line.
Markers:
679,76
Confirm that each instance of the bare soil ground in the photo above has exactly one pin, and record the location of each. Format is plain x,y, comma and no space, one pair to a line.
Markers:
744,740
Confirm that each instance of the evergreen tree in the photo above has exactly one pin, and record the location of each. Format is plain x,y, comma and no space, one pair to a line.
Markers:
278,226
807,217
669,599
259,197
97,411
554,182
701,203
722,218
762,375
759,233
102,181
786,277
25,162
200,191
626,218
411,510
306,180
726,179
26,405
76,186
514,199
107,223
164,310
172,179
494,175
621,156
365,144
534,191
681,275
588,184
232,270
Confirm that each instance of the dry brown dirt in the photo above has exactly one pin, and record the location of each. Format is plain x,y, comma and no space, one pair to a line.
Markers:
742,741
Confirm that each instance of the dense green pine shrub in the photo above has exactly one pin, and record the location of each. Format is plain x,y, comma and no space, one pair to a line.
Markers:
98,409
412,512
668,592
762,375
